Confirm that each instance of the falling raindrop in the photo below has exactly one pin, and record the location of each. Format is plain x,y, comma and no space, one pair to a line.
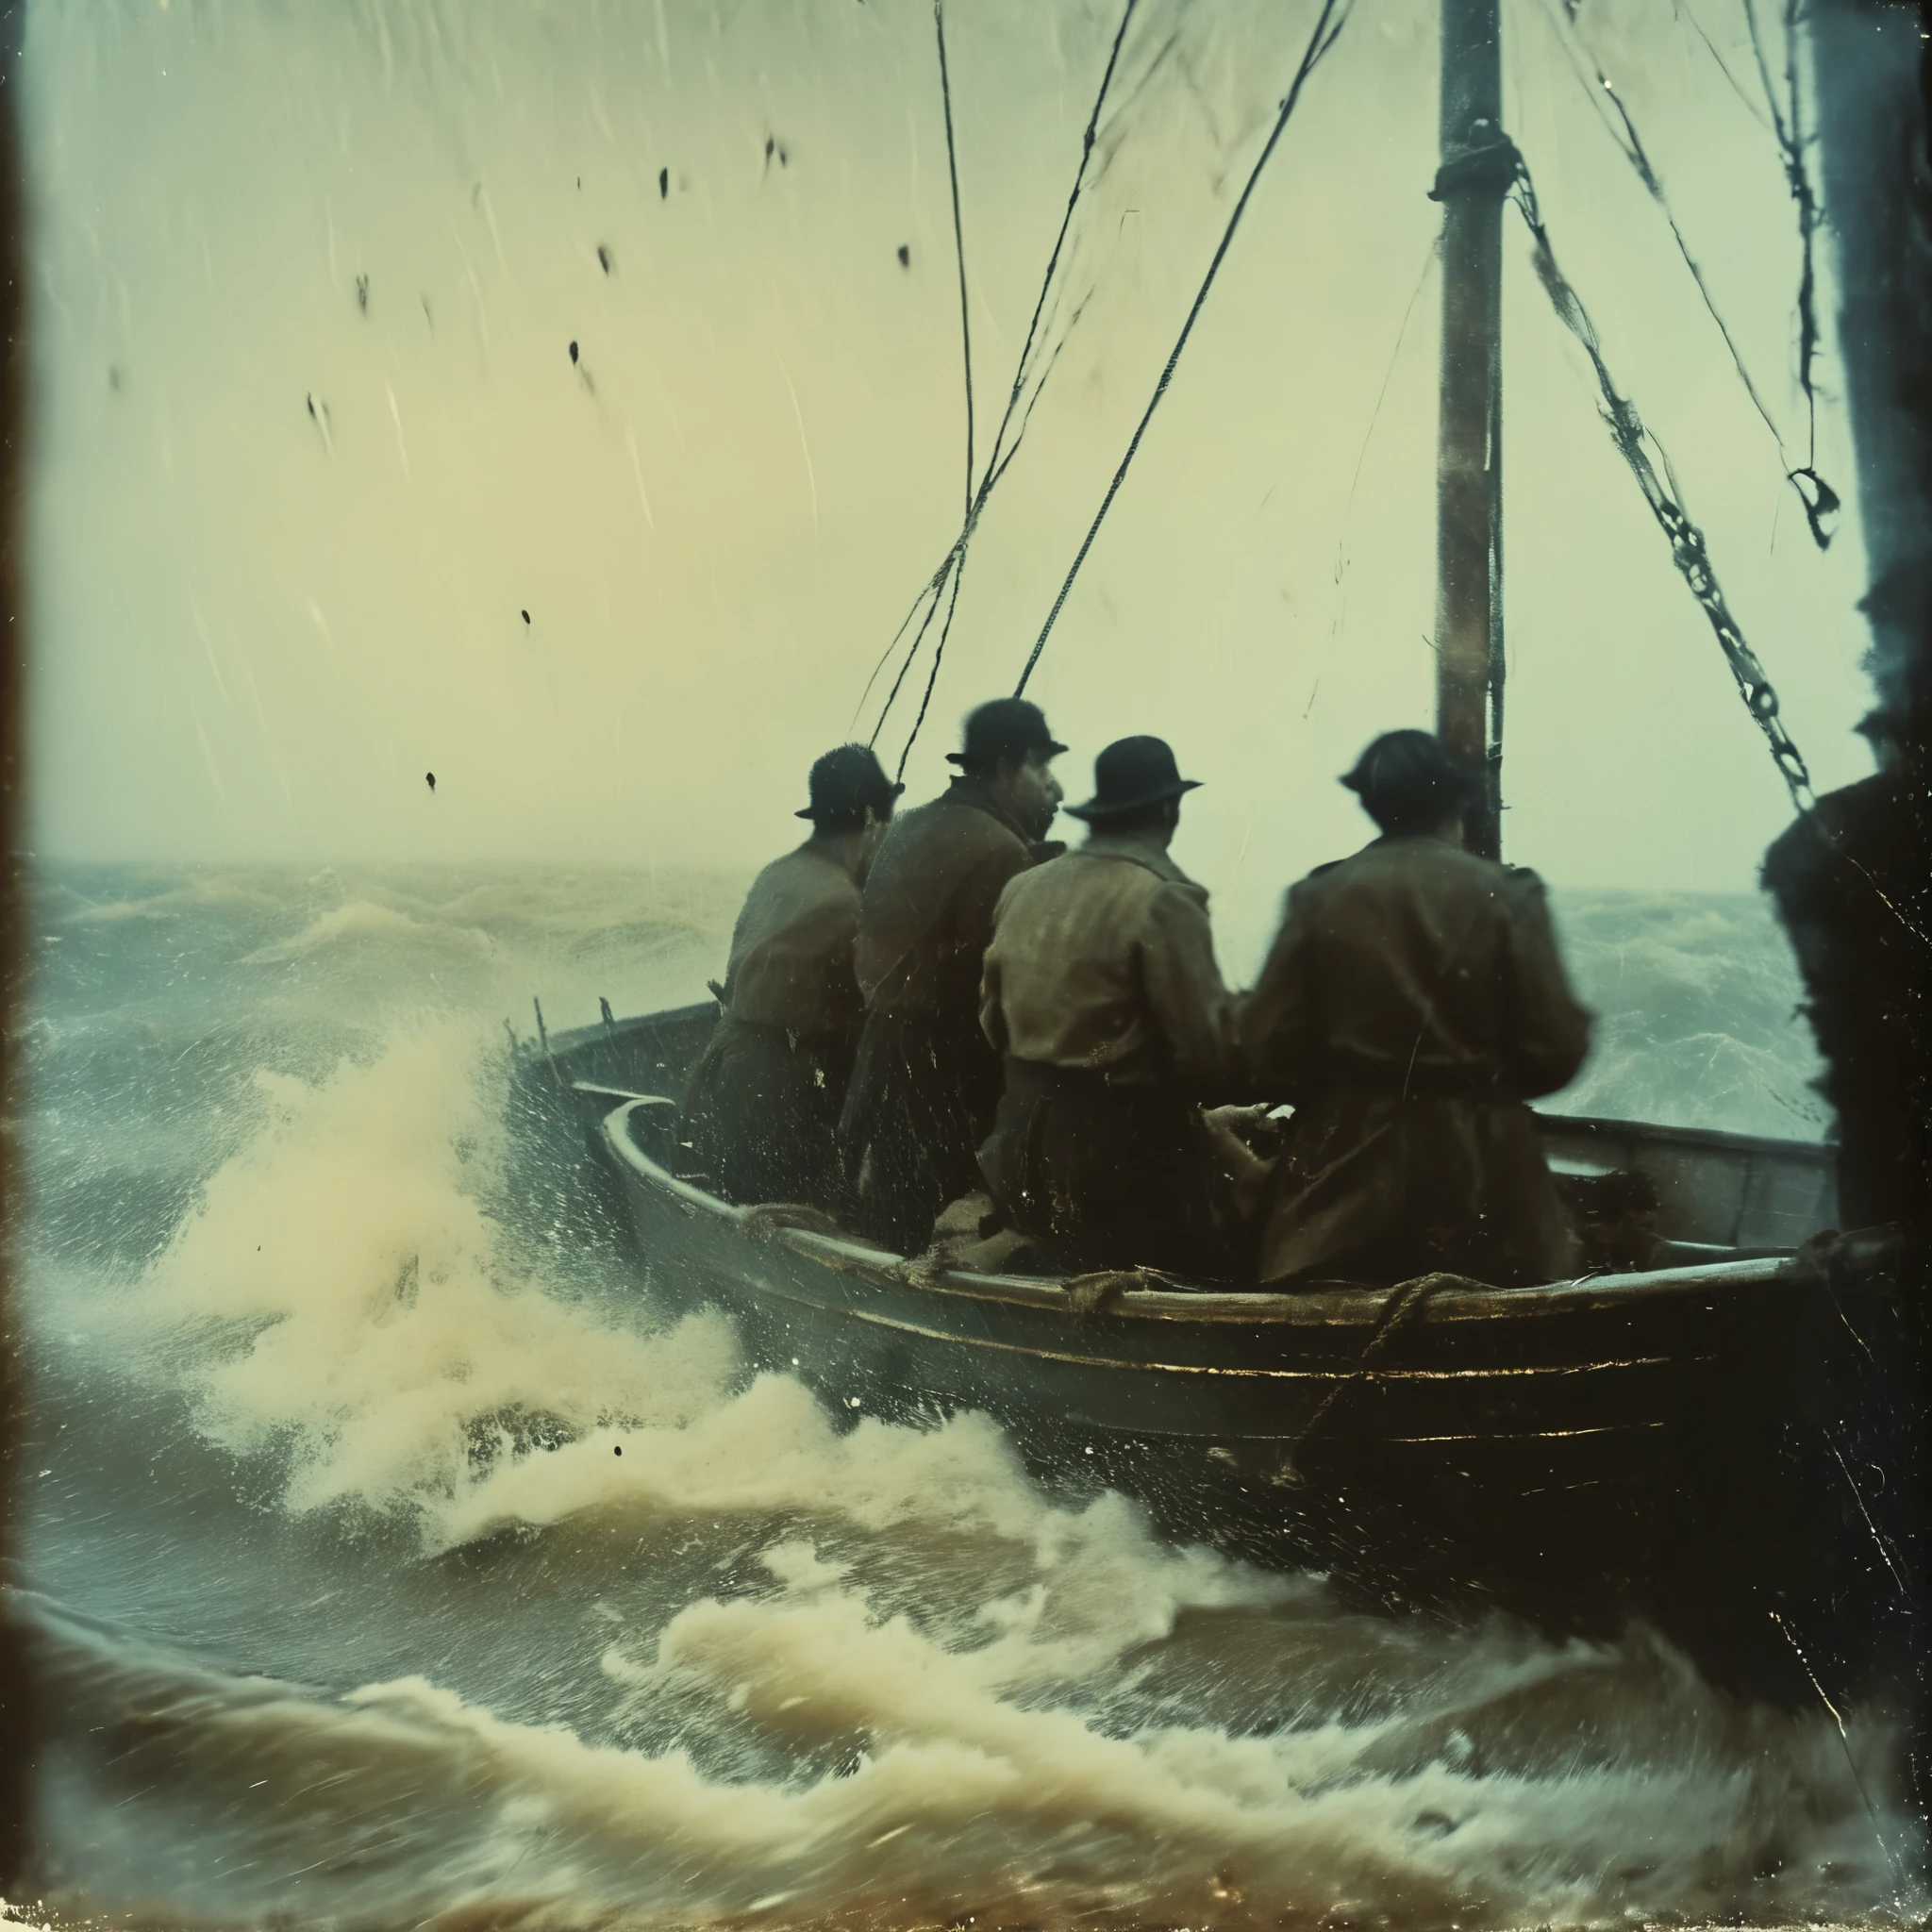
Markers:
430,778
362,294
664,183
904,256
573,352
527,617
603,261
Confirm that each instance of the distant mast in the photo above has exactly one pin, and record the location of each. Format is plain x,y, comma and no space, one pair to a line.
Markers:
1477,166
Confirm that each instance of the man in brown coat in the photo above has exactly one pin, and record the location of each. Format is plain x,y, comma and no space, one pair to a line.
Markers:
1102,990
1413,1000
762,1109
925,1082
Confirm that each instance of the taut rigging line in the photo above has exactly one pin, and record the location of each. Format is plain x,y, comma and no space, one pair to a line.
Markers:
1328,25
1001,456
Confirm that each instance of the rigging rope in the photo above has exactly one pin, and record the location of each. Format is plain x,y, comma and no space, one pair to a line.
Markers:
1689,551
1820,500
1001,456
1789,127
938,23
1328,25
938,653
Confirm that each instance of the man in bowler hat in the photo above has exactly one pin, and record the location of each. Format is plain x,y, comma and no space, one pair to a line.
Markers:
1102,993
1412,1001
925,1082
762,1109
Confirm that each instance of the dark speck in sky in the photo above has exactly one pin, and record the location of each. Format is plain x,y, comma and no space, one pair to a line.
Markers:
573,352
664,183
362,294
603,257
430,777
113,376
617,1448
527,617
904,256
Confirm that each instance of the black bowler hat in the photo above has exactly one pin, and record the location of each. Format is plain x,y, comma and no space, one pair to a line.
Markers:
1130,776
1006,728
845,781
1414,775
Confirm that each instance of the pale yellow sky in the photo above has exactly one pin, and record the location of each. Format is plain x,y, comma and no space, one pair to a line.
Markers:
255,632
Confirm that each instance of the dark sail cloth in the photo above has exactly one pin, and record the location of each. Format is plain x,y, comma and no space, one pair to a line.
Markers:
1101,987
761,1108
924,1083
1412,1001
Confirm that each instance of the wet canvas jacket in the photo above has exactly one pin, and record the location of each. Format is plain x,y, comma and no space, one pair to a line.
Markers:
926,914
1104,959
761,1108
1412,1001
924,1082
790,962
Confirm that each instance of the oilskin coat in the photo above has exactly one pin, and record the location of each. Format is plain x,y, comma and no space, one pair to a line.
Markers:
762,1109
1412,1001
1101,990
924,1082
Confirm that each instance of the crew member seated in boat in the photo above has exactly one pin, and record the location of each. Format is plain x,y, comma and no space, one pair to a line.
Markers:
925,1082
1412,1001
1102,991
761,1111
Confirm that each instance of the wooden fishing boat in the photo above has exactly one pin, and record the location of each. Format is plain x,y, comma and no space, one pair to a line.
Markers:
1682,1443
1721,1443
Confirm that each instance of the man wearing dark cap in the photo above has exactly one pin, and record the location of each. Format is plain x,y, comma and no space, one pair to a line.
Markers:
1413,1000
761,1110
925,1083
1102,993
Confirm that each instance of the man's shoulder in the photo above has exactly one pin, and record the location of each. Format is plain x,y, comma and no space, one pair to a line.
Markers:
803,877
1431,867
956,824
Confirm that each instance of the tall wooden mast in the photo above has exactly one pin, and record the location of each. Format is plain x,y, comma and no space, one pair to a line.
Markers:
1477,165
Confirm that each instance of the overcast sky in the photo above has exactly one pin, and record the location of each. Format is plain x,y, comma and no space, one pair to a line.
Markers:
258,626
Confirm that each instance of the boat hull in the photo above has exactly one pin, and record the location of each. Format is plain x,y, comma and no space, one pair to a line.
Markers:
1679,1445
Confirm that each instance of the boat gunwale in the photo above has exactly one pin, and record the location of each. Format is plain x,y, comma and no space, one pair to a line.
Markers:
1591,1126
1346,1307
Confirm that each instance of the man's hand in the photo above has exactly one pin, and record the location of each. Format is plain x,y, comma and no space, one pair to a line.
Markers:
1227,1128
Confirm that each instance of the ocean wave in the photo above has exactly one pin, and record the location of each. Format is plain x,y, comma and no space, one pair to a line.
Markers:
959,1788
364,922
199,896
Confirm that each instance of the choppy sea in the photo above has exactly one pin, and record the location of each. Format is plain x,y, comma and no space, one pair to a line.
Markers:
346,1615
